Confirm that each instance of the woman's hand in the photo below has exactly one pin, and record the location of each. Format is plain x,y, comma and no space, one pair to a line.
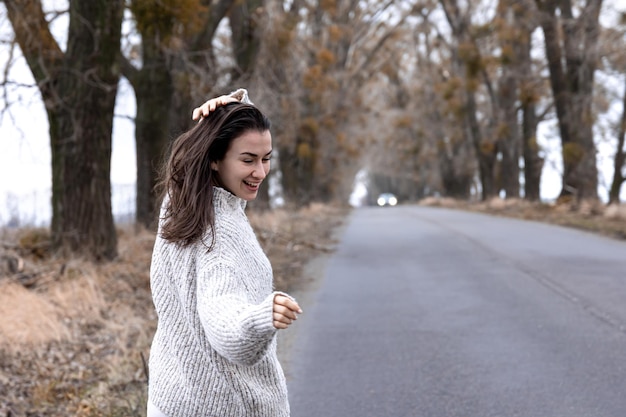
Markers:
210,105
286,311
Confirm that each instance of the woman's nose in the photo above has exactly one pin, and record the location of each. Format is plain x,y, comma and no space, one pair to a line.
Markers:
259,171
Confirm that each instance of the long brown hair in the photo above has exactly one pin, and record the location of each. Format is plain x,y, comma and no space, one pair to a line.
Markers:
188,179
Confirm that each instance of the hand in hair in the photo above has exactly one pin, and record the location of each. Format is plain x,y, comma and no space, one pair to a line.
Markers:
210,105
240,94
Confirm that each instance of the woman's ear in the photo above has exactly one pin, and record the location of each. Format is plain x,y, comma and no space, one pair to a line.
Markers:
214,166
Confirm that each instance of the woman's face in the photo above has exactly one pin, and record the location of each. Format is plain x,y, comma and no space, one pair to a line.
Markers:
246,164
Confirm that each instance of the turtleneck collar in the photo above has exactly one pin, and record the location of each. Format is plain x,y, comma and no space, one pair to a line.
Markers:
223,199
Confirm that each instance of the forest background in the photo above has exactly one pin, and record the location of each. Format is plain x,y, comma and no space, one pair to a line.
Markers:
439,101
445,98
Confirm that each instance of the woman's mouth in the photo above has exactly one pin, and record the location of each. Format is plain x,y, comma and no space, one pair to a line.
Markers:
253,185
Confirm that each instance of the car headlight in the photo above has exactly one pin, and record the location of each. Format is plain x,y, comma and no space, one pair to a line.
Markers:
393,201
381,201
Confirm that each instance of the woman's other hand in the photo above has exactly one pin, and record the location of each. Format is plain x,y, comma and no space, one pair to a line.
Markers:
210,105
286,310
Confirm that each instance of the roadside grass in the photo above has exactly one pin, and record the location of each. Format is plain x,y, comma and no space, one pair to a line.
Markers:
589,216
75,336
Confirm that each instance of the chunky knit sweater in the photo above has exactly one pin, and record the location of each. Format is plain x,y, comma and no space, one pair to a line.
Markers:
214,350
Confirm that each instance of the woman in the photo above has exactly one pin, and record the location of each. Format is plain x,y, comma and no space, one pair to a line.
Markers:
214,350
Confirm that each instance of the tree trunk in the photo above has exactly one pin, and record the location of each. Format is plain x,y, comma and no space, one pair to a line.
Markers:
485,149
81,136
455,184
508,134
619,162
533,163
289,176
79,90
572,88
244,22
508,129
153,91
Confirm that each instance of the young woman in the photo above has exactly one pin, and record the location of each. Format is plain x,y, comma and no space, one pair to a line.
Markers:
214,350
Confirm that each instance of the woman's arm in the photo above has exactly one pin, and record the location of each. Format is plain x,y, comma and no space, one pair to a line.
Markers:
237,329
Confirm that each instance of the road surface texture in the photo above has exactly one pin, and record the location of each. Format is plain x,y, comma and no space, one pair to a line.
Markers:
442,313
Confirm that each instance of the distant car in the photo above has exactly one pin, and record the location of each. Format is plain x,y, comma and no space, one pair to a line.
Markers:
387,199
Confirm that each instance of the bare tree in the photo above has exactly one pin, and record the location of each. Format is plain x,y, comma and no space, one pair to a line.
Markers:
508,130
530,95
175,62
469,66
572,54
619,162
614,63
78,86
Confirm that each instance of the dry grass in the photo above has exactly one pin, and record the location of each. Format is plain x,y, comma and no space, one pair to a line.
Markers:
74,336
83,330
33,319
590,216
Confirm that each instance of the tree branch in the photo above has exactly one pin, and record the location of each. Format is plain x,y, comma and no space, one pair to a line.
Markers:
216,14
129,70
381,42
32,33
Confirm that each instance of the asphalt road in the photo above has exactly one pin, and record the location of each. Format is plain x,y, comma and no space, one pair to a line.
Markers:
442,313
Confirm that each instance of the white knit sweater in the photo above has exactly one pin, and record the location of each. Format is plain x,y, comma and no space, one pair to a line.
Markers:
214,350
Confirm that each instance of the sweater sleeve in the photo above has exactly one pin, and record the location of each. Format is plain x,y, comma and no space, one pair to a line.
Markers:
238,330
